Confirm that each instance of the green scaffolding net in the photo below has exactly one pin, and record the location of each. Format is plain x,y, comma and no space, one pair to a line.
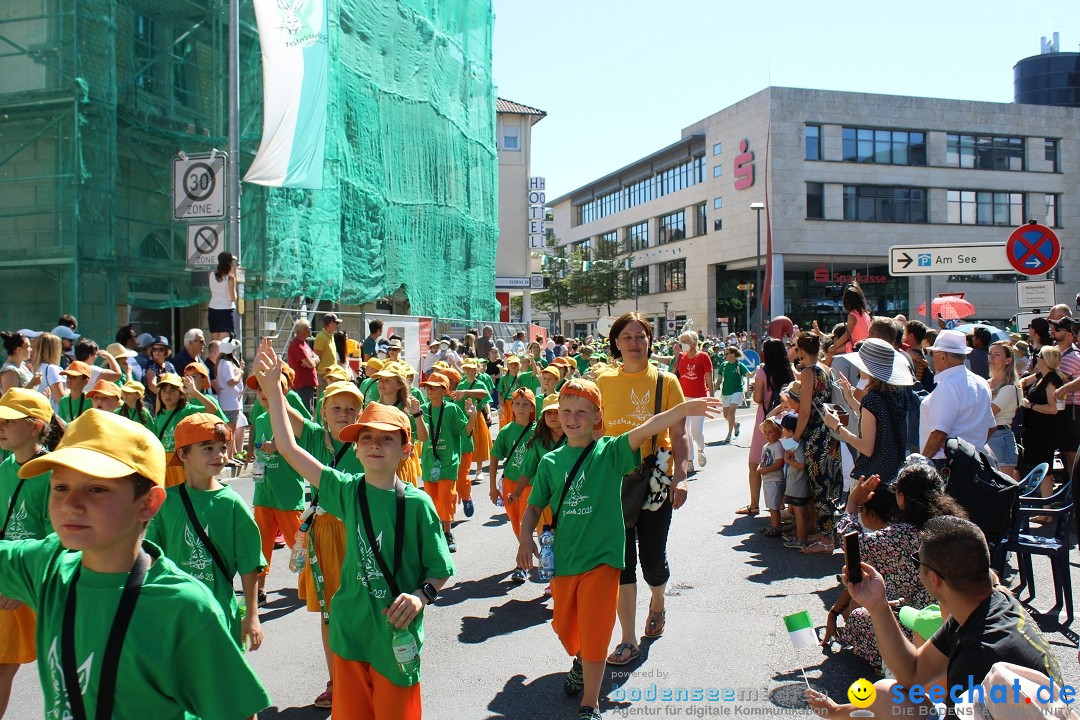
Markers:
98,96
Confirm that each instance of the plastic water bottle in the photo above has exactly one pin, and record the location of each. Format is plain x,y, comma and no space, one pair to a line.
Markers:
299,557
404,644
547,553
258,468
499,500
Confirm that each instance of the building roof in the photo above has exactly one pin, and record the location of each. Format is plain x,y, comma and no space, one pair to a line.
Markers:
509,106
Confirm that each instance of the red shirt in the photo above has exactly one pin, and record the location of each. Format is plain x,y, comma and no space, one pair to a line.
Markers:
305,376
692,374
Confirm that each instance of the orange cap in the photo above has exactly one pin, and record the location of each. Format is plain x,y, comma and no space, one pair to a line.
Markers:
200,427
105,388
77,367
253,383
525,393
437,380
582,388
197,368
452,375
380,417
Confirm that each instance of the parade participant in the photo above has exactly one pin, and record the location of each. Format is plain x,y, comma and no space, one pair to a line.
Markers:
369,385
26,421
75,403
106,395
585,476
509,382
470,387
207,529
173,405
394,390
377,603
549,381
134,408
547,435
731,373
447,424
107,484
511,445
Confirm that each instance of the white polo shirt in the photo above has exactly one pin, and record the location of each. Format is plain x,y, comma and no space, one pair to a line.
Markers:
959,406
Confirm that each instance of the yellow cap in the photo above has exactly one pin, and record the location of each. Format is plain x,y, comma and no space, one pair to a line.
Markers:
390,370
170,379
336,372
442,364
373,364
469,362
104,445
551,402
133,386
342,386
18,403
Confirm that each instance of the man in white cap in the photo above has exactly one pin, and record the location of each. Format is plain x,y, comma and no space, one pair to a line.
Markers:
960,403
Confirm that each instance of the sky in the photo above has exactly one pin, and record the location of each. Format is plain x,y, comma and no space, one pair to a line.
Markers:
620,80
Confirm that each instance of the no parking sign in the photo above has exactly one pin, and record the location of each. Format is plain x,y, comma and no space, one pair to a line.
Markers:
1033,249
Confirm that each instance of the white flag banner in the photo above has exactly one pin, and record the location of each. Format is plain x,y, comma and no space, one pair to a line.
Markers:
295,57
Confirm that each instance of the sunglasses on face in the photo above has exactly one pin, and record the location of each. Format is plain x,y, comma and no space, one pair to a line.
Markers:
914,557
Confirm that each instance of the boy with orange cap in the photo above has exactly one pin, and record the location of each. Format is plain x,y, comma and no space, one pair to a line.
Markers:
106,395
446,424
582,482
107,483
396,557
75,403
200,506
510,445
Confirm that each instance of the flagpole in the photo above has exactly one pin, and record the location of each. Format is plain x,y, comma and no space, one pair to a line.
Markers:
233,186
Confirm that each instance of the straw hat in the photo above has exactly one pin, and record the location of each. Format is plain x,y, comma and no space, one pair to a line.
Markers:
879,360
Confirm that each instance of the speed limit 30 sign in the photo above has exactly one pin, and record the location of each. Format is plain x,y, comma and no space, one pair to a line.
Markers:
199,187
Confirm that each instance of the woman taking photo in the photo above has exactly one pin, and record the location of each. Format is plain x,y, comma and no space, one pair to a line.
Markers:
222,297
1006,398
858,321
1040,426
769,379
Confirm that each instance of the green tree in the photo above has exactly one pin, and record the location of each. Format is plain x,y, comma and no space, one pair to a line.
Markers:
563,269
607,280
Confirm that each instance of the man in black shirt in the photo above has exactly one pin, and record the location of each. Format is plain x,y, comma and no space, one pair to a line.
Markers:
984,623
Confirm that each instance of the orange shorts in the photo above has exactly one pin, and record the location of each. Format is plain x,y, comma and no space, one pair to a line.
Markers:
270,521
444,494
584,612
360,691
17,641
464,486
481,438
174,474
330,549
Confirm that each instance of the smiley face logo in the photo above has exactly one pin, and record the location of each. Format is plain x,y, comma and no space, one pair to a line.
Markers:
862,693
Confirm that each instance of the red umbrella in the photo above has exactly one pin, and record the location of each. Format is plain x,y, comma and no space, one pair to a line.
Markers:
951,307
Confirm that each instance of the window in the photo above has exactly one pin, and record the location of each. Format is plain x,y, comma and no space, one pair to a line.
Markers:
639,281
700,220
144,52
673,275
717,203
970,207
884,147
678,177
637,236
673,179
609,242
1050,153
984,152
1052,210
871,203
815,201
717,170
584,247
813,142
717,225
672,227
717,149
511,137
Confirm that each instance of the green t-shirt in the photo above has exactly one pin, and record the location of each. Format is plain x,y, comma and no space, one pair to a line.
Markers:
141,416
166,420
533,452
516,438
231,527
529,380
71,408
313,438
448,423
488,382
169,669
591,531
467,445
290,397
358,628
508,384
281,487
369,388
582,363
30,514
732,374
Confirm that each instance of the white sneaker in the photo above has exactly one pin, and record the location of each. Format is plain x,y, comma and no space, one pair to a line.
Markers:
701,459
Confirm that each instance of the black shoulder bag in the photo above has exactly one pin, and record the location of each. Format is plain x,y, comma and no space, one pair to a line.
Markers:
570,481
635,484
399,535
203,537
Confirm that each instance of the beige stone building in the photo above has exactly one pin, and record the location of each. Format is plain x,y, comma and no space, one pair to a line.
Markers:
842,176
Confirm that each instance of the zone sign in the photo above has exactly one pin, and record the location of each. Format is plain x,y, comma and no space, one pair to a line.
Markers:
199,186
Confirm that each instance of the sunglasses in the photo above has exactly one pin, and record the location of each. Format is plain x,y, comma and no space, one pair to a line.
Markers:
915,559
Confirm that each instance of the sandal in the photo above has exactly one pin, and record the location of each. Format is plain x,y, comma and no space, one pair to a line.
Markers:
770,531
615,658
748,510
654,626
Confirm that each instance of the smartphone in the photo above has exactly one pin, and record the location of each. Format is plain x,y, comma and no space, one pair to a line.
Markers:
853,557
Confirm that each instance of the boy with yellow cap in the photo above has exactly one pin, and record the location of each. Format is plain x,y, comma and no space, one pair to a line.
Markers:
106,395
174,404
446,424
25,420
75,403
207,529
395,558
582,482
107,600
508,383
368,387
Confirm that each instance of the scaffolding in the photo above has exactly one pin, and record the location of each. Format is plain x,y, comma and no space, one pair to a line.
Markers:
98,96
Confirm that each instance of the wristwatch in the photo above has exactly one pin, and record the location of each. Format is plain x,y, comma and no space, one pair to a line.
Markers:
417,414
429,592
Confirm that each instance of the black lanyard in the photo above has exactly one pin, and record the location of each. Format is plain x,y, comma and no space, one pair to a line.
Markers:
161,433
510,390
399,534
437,428
71,410
111,660
510,455
203,537
570,481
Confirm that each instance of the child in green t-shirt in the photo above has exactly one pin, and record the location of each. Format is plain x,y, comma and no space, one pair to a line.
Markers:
582,482
396,559
447,424
510,445
134,407
75,403
732,372
207,529
96,583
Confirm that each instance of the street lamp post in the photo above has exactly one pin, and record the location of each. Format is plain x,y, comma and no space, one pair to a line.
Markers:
757,208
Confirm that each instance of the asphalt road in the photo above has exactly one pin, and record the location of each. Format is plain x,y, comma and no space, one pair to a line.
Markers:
490,652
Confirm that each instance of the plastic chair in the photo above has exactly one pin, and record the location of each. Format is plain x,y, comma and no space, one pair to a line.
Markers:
1056,546
1033,479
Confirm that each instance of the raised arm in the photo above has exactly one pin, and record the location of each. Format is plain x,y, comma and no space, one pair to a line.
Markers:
707,406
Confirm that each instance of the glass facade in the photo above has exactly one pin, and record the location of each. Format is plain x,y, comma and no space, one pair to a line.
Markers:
984,152
700,220
875,203
972,207
678,177
672,228
885,147
1052,201
1049,79
673,276
638,236
639,281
